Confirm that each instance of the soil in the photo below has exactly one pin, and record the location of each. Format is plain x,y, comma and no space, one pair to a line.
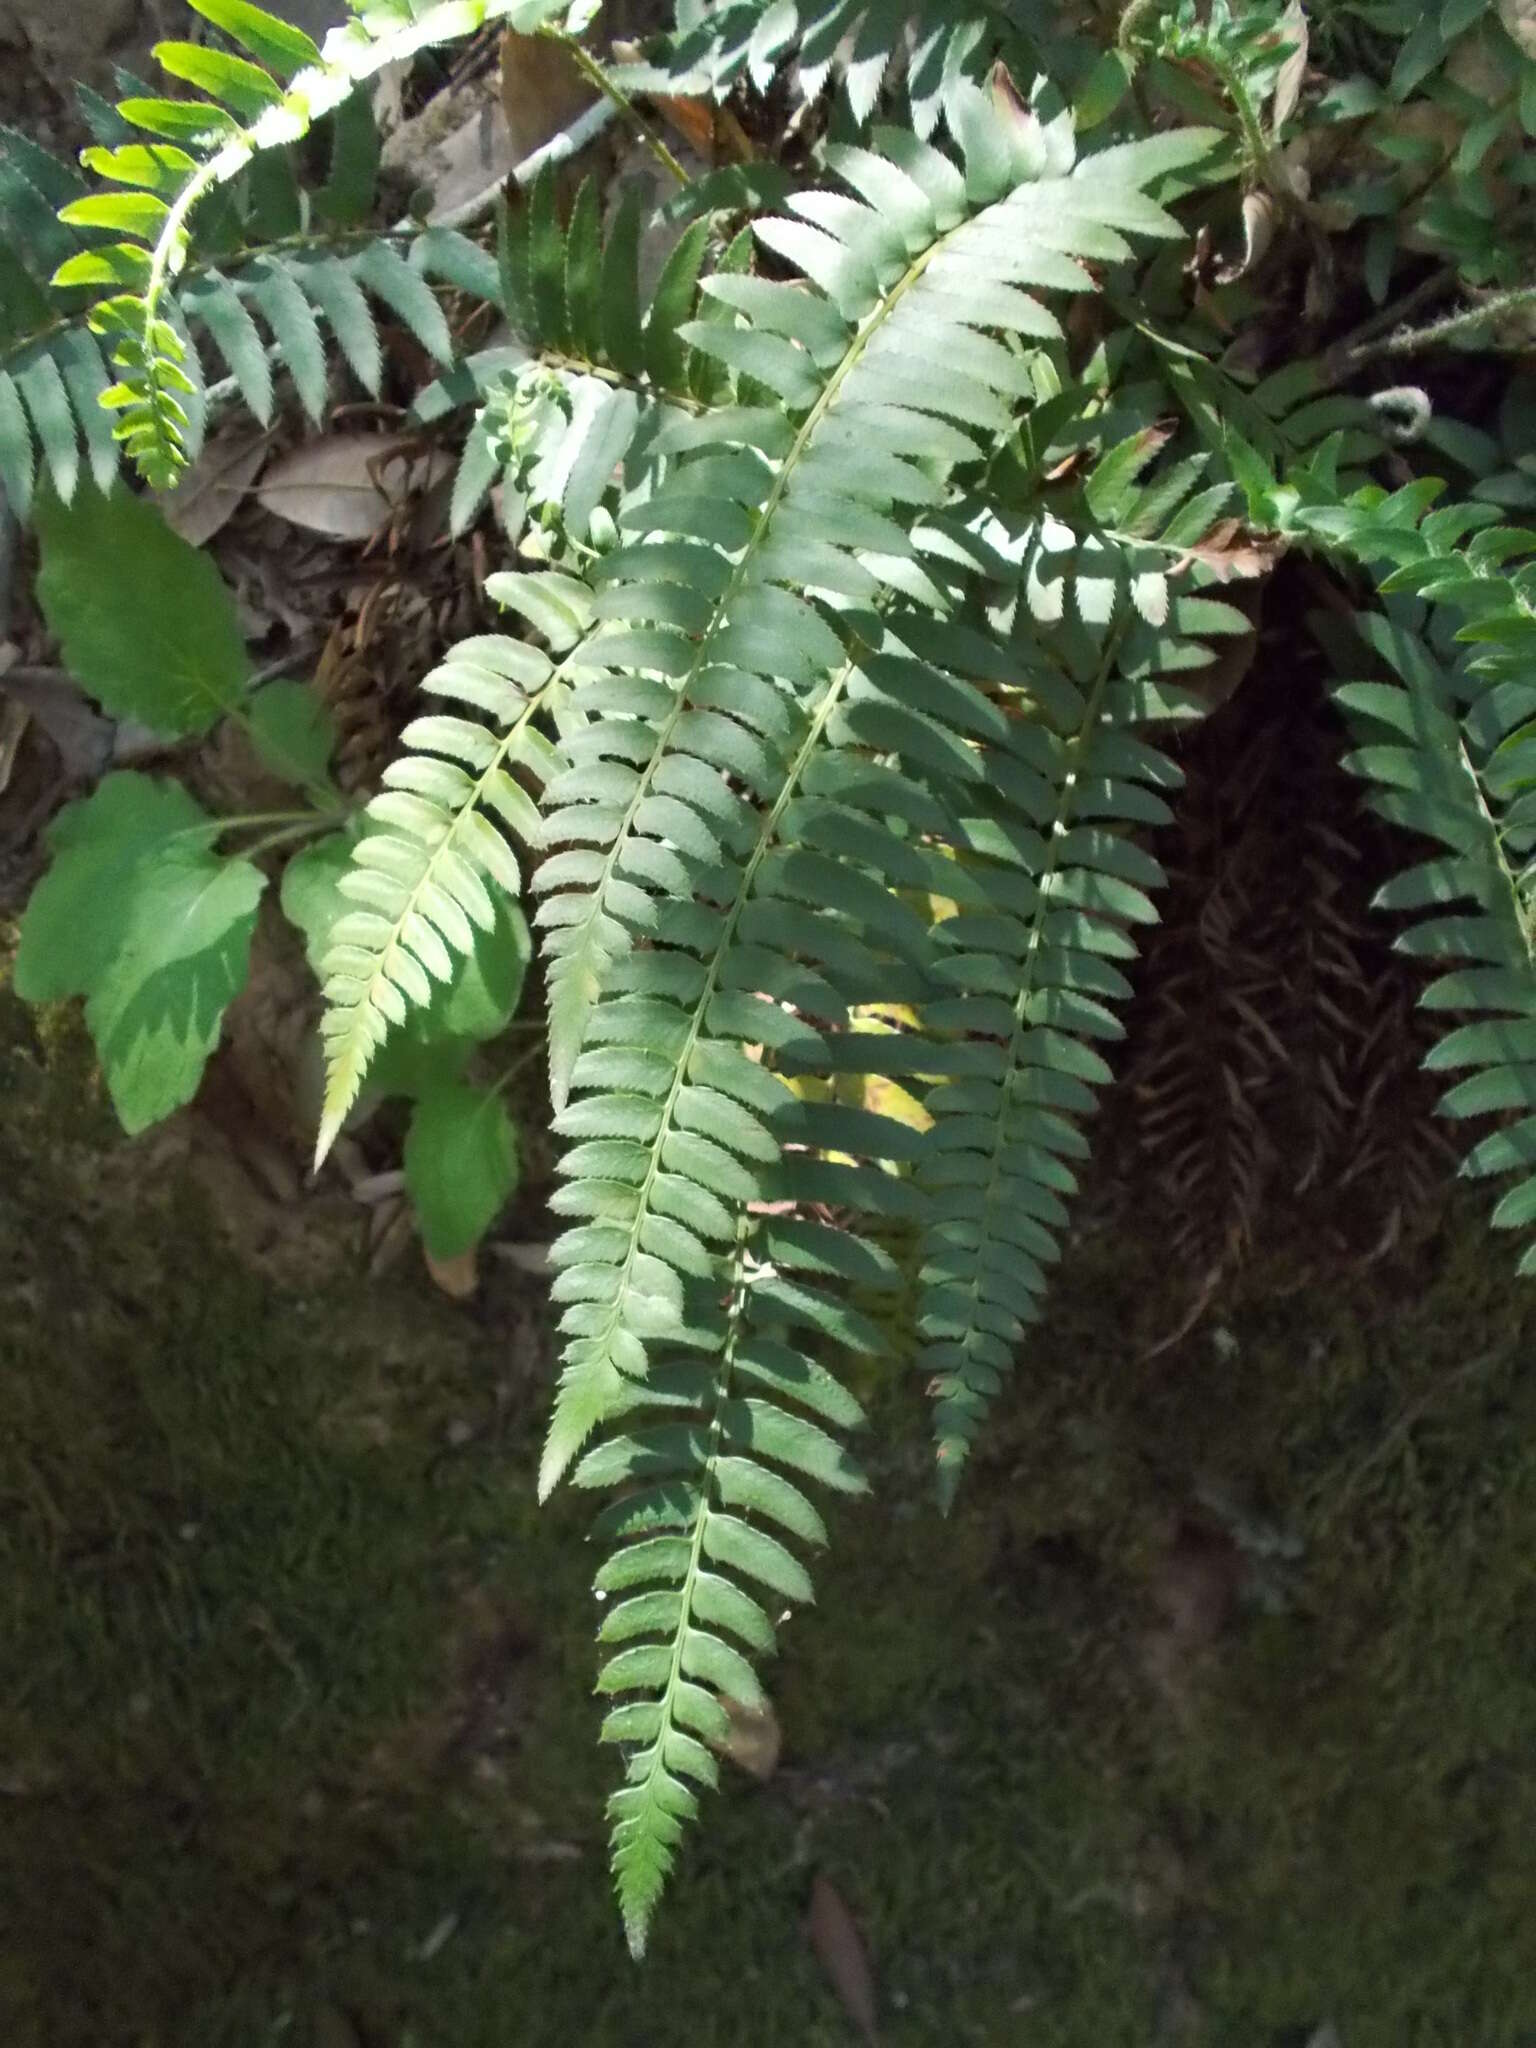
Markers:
1205,1718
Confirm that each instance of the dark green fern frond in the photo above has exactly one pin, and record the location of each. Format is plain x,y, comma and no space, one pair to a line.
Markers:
52,371
716,1453
1449,747
760,818
931,45
1031,978
258,105
1451,751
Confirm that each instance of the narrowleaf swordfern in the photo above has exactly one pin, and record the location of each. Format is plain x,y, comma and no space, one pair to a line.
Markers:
798,727
788,780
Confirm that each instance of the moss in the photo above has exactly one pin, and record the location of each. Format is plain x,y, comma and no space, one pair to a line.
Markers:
296,1717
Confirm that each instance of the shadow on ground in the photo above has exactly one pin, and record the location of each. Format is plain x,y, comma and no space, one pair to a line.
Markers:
1207,1718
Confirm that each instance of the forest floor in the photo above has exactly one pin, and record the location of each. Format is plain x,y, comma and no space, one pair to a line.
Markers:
1207,1718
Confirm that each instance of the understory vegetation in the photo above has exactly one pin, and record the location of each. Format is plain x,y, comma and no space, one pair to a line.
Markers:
982,501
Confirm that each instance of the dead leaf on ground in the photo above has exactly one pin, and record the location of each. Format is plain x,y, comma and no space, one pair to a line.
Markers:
347,485
839,1946
457,1277
753,1741
1230,551
210,493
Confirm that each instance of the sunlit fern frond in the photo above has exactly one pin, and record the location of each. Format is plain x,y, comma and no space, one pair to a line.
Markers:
781,774
929,46
440,834
171,162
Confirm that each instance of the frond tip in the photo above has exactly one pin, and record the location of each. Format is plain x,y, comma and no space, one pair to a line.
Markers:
696,1565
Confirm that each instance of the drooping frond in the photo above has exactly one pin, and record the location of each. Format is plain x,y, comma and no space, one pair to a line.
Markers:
1449,747
779,773
1035,975
441,829
716,1453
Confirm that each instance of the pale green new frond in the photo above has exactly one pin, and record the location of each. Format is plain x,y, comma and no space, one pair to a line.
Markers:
440,832
266,101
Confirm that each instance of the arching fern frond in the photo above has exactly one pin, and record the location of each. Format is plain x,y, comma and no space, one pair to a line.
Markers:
256,105
777,776
441,829
254,289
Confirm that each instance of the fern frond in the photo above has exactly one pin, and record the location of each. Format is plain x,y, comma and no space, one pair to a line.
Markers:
441,829
1449,747
880,367
713,682
778,774
237,304
199,147
1036,977
1434,742
932,45
713,1450
51,370
680,1116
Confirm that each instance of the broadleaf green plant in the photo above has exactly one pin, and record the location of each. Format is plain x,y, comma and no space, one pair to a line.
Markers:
142,913
853,578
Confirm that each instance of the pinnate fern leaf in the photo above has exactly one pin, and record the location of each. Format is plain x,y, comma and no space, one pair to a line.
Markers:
140,233
441,831
1448,747
776,770
872,414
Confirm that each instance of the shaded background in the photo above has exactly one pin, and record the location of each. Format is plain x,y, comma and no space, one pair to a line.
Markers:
1206,1718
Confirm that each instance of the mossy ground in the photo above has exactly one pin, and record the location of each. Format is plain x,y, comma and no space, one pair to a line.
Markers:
296,1730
